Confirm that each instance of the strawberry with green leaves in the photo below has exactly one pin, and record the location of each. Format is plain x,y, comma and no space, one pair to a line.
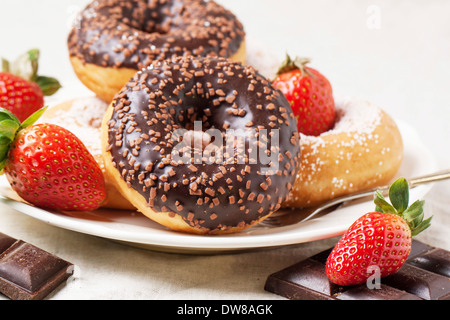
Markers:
22,90
48,166
310,95
378,239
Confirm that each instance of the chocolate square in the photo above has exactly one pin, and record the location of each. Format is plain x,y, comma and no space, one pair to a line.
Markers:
28,272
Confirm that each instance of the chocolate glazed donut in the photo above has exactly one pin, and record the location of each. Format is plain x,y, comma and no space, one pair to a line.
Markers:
241,175
112,39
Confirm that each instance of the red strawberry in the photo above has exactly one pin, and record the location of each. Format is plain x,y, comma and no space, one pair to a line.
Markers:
48,166
380,239
20,96
310,95
22,91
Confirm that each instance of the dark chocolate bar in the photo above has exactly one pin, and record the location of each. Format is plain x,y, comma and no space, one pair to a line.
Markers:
424,276
28,272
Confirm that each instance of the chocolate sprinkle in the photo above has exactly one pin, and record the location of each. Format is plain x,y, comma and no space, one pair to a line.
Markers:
208,195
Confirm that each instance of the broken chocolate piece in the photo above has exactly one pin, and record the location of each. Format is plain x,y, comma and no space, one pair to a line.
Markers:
28,272
424,276
5,242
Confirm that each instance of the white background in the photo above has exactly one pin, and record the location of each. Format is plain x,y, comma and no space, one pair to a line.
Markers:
393,53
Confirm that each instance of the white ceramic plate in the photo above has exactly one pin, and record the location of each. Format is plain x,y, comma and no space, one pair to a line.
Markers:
134,229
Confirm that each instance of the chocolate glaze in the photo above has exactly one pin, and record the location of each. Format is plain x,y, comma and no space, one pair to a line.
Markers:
132,33
172,94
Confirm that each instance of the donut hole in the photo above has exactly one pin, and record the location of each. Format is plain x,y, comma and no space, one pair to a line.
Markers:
340,113
169,19
146,17
340,121
204,120
200,146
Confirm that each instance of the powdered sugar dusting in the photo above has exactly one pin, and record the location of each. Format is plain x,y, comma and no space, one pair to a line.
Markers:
355,126
262,58
355,117
83,119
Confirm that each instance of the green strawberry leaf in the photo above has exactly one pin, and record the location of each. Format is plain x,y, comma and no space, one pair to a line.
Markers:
9,124
382,205
414,211
5,65
4,148
48,85
2,165
6,114
399,194
421,227
417,221
8,128
33,118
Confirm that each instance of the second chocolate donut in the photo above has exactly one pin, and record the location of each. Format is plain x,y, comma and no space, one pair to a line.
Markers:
112,39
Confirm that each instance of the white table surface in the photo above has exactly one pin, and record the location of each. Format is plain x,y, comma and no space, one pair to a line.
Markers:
393,53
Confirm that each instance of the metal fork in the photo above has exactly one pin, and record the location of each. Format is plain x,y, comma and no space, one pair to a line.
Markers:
285,217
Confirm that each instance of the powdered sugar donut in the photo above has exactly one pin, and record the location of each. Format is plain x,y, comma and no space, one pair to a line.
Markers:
83,117
362,151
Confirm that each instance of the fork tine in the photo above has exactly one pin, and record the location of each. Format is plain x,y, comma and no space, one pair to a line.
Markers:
286,216
292,216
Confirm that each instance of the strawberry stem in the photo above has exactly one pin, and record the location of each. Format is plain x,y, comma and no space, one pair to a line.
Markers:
27,66
33,59
296,64
5,65
399,198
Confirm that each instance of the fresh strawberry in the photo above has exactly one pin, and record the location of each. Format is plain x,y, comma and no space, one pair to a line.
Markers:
48,166
20,96
380,239
310,95
22,90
